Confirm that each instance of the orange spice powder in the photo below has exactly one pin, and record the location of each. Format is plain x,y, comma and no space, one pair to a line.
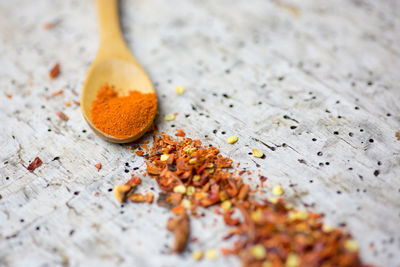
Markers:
124,116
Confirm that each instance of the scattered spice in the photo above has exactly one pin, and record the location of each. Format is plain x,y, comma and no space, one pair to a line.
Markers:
9,96
257,153
179,90
37,162
62,115
59,92
123,116
232,139
55,71
268,232
397,136
180,228
169,117
180,133
98,166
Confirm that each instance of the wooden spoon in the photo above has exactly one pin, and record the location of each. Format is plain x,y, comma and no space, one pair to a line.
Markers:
114,65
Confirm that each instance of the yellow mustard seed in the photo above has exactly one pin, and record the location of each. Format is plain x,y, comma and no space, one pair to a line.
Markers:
179,90
267,264
192,161
197,255
232,139
169,117
196,178
180,189
257,153
277,190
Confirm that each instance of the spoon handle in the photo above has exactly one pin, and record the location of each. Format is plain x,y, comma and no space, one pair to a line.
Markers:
110,31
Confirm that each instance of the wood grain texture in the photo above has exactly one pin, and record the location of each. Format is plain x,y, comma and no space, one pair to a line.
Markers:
292,78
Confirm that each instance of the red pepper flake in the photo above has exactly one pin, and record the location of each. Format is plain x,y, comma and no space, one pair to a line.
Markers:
48,25
144,146
76,102
62,115
180,227
397,136
140,153
59,92
180,133
9,96
98,166
37,162
55,71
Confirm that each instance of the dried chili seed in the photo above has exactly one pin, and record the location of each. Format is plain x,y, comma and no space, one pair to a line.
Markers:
169,117
179,90
34,164
180,228
257,153
232,139
210,254
55,71
62,115
197,255
277,190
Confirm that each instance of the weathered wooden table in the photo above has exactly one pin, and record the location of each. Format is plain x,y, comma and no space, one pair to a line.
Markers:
313,84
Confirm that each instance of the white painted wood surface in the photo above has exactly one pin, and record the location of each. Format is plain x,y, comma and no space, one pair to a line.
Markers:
331,66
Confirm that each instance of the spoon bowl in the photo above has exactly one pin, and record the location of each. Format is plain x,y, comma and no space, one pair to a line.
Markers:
114,65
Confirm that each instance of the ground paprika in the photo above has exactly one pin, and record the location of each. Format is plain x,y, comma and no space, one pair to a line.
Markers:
123,116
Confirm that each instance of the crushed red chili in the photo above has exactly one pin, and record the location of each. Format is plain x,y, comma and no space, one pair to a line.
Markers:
37,162
62,115
98,166
268,232
55,71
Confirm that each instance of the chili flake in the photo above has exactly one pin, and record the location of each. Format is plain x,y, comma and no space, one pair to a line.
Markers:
37,162
62,115
55,71
98,166
268,233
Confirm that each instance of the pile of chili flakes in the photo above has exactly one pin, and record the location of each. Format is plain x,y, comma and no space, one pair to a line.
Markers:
268,232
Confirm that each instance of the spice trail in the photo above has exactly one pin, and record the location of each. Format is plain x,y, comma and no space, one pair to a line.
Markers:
268,232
